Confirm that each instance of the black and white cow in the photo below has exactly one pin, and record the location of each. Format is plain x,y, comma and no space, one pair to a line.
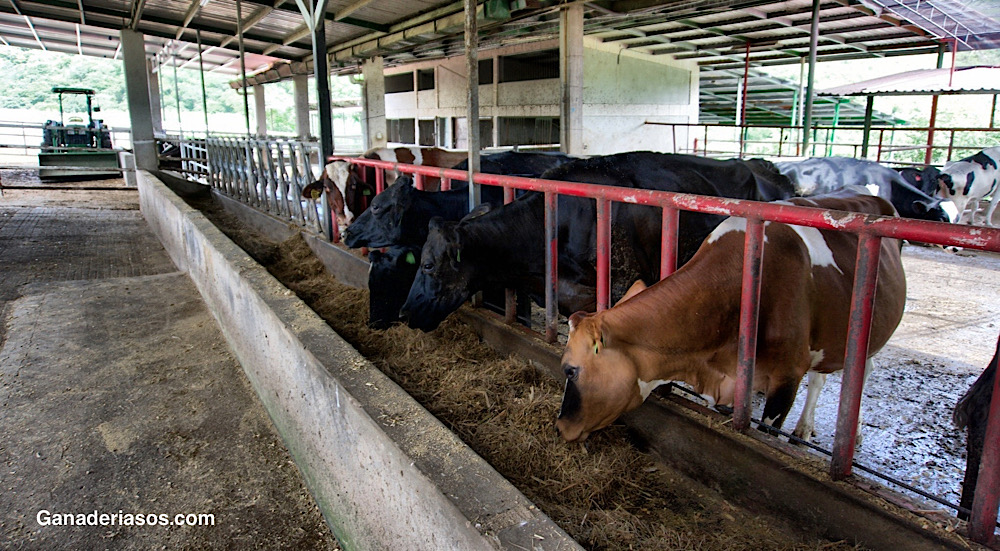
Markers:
820,175
969,180
925,179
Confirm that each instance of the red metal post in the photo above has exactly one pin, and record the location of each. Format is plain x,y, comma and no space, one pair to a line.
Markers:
379,180
930,131
858,332
603,254
510,296
668,241
983,520
878,156
418,181
753,255
551,265
445,184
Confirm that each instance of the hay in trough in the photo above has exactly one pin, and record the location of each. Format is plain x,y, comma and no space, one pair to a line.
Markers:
606,495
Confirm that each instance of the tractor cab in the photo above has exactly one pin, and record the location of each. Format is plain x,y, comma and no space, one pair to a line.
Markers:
76,142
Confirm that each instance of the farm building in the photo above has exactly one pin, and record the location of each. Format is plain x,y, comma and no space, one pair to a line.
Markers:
194,344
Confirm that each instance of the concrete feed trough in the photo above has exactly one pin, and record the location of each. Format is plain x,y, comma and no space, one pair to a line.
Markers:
381,468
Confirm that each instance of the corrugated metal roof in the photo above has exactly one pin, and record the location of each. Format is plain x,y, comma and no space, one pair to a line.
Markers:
923,82
714,33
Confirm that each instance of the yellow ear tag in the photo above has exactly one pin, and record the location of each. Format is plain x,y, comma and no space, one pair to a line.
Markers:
316,194
597,347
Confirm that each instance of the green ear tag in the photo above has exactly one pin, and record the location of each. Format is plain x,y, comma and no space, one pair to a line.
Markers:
458,255
597,348
366,192
410,258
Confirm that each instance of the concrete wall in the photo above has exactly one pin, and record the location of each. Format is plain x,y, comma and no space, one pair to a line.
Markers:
622,90
384,472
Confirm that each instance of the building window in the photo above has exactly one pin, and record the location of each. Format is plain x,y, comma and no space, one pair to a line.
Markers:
533,66
425,79
399,83
528,130
461,134
401,130
486,71
427,134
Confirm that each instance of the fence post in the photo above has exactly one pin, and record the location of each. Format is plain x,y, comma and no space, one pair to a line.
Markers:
753,255
856,354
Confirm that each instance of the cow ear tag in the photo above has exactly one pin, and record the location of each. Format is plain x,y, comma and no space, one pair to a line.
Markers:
458,255
597,347
366,192
410,258
315,194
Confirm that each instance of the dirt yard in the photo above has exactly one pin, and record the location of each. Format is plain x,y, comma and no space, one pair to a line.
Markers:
946,339
606,494
118,391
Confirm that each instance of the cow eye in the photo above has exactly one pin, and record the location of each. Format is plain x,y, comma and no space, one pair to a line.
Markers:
571,372
427,267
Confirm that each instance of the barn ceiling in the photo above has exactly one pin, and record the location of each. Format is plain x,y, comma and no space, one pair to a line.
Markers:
715,33
724,37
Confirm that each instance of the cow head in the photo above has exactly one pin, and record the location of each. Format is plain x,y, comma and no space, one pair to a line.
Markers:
601,379
315,190
389,279
445,279
356,192
381,224
936,210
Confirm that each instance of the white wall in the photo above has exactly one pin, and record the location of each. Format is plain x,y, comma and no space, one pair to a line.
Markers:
622,90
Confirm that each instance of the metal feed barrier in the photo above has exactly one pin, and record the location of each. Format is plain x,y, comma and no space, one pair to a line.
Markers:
870,229
266,174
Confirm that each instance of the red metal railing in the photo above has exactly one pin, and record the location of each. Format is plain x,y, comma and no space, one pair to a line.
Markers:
871,230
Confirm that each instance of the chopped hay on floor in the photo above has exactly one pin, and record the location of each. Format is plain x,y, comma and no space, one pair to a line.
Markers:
606,495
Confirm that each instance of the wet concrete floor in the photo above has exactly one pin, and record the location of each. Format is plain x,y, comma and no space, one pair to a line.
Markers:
120,396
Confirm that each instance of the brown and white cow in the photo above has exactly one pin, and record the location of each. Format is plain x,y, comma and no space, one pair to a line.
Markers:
334,196
686,327
355,184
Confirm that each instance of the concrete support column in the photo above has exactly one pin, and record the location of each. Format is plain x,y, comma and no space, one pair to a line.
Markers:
571,79
302,106
376,131
137,90
260,110
156,108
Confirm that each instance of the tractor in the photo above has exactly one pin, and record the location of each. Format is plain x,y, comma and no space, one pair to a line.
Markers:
65,147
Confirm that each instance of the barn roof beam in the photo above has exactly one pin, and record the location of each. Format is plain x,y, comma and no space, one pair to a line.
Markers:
111,19
838,55
27,20
136,13
343,17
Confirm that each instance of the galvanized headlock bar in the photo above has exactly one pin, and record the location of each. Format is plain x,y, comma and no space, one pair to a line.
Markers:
870,228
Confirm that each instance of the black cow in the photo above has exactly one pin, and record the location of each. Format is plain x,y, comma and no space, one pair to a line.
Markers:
399,215
514,163
504,246
972,411
820,175
389,278
925,179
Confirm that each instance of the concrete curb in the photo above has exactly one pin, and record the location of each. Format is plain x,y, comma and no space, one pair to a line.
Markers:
385,473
